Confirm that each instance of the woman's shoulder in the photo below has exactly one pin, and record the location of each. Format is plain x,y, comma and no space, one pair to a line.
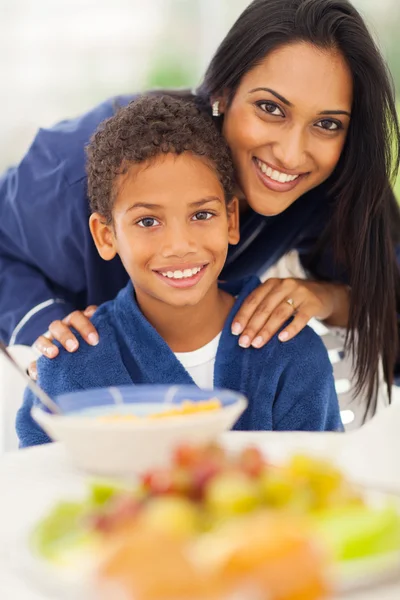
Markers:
64,143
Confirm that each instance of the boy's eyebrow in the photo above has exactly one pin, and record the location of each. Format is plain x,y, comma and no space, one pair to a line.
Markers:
285,101
206,200
150,206
145,205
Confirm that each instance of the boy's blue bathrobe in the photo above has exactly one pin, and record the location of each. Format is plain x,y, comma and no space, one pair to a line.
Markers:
289,385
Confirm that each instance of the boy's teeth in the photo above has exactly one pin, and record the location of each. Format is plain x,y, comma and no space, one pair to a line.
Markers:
181,274
274,174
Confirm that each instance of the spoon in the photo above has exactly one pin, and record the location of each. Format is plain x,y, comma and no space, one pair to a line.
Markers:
43,397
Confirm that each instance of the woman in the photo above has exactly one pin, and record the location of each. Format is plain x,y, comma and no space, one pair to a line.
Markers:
304,100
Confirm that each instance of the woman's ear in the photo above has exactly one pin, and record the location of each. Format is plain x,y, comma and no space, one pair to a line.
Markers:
233,221
103,236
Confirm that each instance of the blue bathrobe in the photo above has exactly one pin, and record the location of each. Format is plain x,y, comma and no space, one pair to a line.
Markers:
289,385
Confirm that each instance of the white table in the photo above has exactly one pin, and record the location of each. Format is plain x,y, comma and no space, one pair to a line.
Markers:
32,480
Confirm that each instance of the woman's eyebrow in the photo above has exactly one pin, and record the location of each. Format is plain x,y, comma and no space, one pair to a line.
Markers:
335,112
288,103
264,89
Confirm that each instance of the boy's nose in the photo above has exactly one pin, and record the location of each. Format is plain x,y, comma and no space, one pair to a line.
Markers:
178,242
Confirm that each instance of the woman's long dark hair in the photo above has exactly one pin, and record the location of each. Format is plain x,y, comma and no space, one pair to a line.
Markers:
366,219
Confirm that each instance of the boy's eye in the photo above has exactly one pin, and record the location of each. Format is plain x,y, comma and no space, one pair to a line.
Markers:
148,222
271,108
329,125
202,216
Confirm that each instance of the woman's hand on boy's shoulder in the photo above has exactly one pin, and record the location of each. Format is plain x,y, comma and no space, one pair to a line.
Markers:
61,331
271,304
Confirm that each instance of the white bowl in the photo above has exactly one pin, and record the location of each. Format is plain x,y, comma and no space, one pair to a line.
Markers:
132,446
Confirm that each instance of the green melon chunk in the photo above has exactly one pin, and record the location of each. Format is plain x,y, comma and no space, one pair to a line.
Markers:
360,532
60,530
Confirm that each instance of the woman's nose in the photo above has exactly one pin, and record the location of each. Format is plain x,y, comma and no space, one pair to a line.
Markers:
290,150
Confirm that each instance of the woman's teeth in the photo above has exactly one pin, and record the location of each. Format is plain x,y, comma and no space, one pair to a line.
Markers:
274,174
181,274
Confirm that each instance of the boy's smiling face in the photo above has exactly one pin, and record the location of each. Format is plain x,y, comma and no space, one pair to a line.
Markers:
171,228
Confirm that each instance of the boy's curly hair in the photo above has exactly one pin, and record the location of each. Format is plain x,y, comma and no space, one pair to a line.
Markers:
147,128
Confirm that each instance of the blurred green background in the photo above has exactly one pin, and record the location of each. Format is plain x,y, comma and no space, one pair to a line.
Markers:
59,58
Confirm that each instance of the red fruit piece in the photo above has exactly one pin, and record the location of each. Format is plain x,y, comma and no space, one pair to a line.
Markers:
122,509
215,453
100,522
181,481
251,461
202,474
187,456
159,481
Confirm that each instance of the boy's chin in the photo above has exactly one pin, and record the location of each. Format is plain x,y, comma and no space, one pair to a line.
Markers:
184,300
181,298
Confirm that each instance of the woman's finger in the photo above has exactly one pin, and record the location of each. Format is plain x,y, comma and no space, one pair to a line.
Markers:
273,300
251,304
46,347
32,371
264,325
62,333
299,322
90,310
84,326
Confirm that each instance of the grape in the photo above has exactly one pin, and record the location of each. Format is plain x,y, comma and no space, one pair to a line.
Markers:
171,514
232,493
277,490
325,483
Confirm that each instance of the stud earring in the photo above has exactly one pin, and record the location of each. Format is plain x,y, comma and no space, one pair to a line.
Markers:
215,109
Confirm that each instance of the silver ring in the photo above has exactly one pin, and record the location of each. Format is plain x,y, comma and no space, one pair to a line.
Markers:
290,301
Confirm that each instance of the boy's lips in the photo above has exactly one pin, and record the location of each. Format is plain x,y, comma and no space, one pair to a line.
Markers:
181,276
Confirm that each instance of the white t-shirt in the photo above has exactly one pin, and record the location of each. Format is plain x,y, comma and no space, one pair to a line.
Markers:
200,363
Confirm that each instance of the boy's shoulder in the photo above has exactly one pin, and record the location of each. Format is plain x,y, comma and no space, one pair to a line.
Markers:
81,369
305,348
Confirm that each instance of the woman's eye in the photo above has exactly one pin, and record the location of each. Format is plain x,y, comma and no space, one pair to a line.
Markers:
271,108
328,125
202,216
148,222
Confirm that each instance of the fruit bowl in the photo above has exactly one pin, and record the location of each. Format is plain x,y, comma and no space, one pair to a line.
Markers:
126,430
214,525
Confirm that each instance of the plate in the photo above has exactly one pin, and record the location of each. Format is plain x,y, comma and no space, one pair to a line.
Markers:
350,577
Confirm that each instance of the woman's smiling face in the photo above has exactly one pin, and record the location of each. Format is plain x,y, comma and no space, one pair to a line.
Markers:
287,123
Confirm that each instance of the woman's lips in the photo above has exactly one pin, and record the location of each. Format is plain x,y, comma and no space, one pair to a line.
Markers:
276,186
184,282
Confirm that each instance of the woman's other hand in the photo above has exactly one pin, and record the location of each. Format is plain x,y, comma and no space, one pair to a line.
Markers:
269,307
61,331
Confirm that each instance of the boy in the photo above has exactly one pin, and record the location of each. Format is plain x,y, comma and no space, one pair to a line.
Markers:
160,182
